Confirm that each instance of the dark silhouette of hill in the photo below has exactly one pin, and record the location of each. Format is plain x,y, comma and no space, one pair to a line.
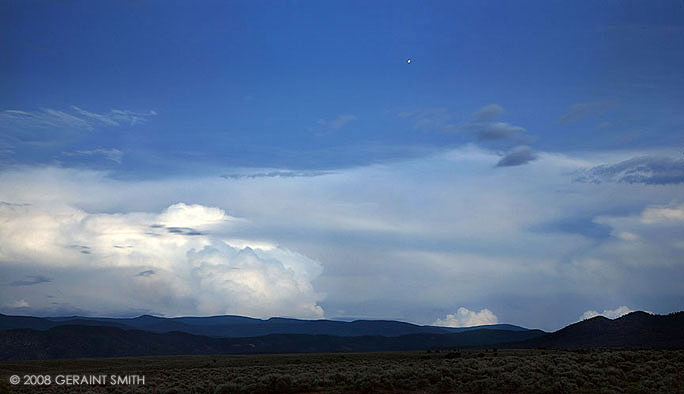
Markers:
239,326
69,341
37,339
634,330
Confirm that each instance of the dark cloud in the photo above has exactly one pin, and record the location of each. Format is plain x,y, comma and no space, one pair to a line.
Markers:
648,170
495,131
31,280
13,204
485,129
172,230
517,156
146,273
81,248
183,231
488,113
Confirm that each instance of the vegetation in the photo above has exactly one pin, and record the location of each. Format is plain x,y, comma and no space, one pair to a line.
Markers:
453,371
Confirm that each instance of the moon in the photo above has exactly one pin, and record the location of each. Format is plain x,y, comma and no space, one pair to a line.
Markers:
408,61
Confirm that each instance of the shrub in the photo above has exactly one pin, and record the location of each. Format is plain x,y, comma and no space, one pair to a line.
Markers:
227,388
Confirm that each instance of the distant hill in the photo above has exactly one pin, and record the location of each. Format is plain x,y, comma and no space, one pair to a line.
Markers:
637,329
239,326
71,337
69,341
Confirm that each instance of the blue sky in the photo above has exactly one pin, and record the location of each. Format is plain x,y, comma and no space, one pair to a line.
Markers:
304,124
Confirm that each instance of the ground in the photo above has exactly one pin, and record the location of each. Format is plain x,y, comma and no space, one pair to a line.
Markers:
451,371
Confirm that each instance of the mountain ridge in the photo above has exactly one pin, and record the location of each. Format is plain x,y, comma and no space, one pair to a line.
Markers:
231,326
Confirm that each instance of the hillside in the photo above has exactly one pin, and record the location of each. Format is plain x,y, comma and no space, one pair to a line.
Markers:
98,341
637,329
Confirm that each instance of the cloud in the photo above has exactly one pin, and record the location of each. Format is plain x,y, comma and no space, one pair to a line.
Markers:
496,131
93,116
467,318
663,215
18,304
146,273
116,117
31,280
432,119
482,126
327,126
581,111
114,155
488,113
394,240
173,273
183,215
611,314
340,121
45,118
650,170
41,124
13,204
517,156
486,129
275,174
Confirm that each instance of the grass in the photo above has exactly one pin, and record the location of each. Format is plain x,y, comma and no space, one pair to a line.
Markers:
460,371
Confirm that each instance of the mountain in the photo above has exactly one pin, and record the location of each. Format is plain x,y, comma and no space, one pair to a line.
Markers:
40,338
69,341
637,329
239,326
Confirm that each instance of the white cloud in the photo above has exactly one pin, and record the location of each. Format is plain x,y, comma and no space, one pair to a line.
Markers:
194,215
18,304
467,318
663,215
17,121
45,118
611,314
186,272
116,117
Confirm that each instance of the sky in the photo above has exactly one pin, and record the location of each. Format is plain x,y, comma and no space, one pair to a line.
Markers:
284,158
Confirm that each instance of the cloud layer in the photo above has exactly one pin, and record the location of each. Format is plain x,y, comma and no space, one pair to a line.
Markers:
404,240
